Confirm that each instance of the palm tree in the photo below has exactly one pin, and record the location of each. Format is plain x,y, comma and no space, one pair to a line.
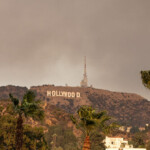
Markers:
88,121
145,76
28,107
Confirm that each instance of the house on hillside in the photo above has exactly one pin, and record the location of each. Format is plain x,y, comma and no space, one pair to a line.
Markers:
117,143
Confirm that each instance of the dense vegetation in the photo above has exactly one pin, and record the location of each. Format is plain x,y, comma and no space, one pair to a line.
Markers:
61,137
141,139
57,137
33,137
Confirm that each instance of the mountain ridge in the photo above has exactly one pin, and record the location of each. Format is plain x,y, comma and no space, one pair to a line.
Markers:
128,108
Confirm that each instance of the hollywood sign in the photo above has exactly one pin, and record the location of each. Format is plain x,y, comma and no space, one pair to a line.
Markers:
63,94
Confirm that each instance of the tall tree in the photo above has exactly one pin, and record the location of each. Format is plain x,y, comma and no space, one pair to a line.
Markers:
28,107
88,121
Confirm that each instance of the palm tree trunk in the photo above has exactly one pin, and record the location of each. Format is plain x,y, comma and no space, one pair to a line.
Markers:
87,144
19,133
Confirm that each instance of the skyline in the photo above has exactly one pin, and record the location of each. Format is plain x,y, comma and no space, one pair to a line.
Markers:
44,42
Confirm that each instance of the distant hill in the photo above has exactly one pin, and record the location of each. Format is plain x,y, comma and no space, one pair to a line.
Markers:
17,91
127,108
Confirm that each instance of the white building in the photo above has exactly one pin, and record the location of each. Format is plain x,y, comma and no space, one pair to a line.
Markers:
116,143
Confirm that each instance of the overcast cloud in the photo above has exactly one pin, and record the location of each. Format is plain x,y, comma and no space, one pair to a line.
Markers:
45,41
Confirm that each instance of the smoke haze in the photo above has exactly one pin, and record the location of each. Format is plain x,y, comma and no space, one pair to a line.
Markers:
44,42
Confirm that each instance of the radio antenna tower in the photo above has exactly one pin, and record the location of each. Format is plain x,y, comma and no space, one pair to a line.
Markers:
84,82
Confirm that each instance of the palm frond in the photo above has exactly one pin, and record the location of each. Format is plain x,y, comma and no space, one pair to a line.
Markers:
29,96
145,76
90,122
32,109
99,115
73,119
14,100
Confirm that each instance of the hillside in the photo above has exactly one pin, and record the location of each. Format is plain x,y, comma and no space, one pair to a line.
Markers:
127,108
17,91
53,115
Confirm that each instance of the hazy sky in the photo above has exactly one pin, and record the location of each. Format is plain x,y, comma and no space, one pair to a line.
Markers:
45,41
